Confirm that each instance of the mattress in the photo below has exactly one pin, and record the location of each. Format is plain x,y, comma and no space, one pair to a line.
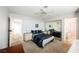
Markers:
47,41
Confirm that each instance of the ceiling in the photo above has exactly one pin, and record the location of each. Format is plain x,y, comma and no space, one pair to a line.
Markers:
52,11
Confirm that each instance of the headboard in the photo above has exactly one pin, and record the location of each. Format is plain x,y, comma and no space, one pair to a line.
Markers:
36,31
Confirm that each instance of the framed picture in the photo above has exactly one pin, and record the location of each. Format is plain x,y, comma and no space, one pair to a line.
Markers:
36,25
49,25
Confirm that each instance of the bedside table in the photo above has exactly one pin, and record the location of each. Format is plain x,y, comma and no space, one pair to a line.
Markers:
27,36
46,32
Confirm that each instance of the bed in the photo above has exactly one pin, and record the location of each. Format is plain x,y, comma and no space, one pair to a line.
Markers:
55,33
40,38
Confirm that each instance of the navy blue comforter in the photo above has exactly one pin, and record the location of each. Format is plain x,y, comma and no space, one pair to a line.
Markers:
38,39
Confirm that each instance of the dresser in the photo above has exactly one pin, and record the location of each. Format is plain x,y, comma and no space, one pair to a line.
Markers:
27,36
46,32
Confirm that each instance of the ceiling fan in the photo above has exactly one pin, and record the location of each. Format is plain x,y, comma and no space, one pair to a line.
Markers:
43,12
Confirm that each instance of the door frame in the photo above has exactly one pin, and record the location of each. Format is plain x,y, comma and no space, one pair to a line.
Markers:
8,31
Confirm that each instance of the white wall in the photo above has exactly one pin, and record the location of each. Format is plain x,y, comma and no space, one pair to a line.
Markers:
29,23
3,27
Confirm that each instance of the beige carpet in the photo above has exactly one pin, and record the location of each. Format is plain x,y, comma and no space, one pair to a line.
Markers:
54,47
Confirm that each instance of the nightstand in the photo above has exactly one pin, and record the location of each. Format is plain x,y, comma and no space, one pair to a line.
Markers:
27,36
46,32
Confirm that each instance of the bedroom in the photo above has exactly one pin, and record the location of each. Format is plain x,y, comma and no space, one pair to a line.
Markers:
52,25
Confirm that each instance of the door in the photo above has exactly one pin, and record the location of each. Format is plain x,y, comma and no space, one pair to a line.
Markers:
15,30
70,29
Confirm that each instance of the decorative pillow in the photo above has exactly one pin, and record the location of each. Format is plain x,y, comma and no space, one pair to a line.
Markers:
36,31
51,30
33,32
39,31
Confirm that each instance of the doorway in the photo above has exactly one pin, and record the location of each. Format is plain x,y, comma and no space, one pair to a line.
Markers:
70,30
15,31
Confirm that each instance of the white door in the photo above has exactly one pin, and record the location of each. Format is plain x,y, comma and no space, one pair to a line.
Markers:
16,31
70,29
